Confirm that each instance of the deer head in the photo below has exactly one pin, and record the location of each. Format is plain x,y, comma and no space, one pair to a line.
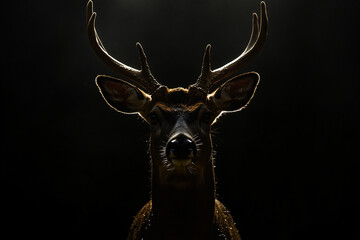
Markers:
180,119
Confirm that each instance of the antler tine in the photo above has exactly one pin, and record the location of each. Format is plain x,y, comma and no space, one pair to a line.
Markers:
254,32
89,13
142,77
209,77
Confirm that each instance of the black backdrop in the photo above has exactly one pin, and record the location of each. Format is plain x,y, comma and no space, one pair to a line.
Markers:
286,166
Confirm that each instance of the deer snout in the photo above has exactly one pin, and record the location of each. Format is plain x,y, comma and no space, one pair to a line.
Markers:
181,150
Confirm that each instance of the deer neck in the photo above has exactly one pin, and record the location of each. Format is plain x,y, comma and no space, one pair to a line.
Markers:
184,213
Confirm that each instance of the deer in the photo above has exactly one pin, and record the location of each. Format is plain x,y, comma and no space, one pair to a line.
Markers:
183,202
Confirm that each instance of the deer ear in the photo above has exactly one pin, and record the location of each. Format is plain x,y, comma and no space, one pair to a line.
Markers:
236,93
122,96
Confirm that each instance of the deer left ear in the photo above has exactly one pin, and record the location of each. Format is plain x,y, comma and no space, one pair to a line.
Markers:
236,93
122,96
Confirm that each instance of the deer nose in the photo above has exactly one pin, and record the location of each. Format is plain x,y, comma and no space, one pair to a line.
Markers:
180,148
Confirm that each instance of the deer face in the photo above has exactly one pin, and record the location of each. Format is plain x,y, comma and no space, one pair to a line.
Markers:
180,119
180,122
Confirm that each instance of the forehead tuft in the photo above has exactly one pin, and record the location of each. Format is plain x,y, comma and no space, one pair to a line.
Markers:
178,96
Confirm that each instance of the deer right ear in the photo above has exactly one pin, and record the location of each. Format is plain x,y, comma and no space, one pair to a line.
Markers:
122,96
236,93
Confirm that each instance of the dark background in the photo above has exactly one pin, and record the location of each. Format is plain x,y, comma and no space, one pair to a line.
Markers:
287,166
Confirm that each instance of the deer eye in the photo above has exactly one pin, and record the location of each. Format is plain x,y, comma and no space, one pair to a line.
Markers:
207,117
154,119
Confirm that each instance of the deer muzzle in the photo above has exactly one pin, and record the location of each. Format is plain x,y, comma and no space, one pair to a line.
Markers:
181,150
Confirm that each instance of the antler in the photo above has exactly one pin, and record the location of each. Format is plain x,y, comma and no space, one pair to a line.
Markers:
209,77
142,77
